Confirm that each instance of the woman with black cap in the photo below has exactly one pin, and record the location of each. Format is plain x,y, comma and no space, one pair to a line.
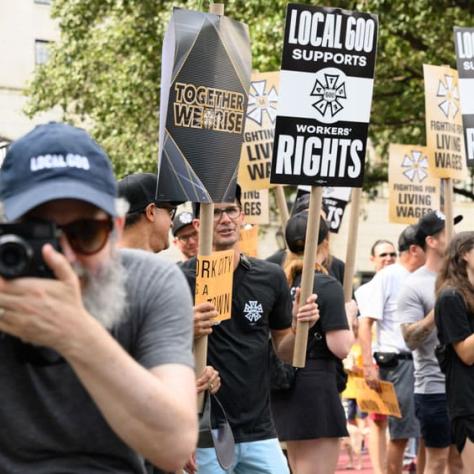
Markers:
309,416
454,317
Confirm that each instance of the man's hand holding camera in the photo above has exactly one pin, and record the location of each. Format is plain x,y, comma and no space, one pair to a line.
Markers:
43,311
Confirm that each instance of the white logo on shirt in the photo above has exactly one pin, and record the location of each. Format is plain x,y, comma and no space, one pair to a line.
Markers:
253,311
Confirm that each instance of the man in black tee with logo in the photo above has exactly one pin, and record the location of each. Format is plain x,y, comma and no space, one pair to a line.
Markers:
238,348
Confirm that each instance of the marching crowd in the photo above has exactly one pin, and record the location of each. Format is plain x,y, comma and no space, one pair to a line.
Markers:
97,364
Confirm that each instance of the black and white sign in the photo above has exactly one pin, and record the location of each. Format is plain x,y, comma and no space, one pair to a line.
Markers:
333,204
326,84
464,42
205,77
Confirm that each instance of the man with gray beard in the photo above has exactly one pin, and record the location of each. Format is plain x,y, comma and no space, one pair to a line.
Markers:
96,360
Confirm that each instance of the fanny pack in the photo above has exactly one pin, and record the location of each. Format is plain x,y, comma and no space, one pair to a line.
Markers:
220,438
386,360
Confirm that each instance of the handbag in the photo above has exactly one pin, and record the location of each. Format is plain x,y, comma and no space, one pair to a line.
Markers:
282,375
386,360
220,438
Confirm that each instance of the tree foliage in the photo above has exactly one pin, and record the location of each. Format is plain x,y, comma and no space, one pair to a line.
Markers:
105,70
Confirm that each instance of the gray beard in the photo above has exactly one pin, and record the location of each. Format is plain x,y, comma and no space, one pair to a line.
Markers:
104,295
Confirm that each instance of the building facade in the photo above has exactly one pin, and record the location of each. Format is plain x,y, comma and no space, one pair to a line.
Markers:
26,30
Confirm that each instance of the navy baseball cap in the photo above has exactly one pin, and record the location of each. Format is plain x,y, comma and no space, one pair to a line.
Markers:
56,161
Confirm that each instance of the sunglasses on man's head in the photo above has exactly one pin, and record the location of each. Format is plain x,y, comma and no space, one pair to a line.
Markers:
88,236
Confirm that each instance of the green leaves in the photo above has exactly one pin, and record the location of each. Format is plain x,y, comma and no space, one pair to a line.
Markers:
105,71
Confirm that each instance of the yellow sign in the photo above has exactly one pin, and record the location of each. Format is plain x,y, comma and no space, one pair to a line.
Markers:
384,402
248,243
444,131
255,206
412,191
257,149
214,275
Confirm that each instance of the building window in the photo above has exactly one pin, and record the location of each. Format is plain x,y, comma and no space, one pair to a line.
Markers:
41,51
43,2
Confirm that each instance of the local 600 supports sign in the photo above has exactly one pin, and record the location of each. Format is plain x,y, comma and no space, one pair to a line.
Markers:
326,84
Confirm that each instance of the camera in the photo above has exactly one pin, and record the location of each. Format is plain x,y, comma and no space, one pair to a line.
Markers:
20,248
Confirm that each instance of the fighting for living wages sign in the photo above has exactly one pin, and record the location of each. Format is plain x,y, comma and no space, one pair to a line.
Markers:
464,41
257,149
444,132
206,68
326,84
413,192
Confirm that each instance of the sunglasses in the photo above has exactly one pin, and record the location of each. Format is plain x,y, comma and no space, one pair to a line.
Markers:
87,236
386,254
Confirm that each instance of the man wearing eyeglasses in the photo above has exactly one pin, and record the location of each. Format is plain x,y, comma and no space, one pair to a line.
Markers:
238,347
96,363
148,221
186,237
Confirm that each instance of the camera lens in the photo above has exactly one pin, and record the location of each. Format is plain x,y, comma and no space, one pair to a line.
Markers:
15,256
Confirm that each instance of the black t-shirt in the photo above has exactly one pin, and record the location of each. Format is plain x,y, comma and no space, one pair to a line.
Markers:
336,267
238,347
332,314
278,257
455,323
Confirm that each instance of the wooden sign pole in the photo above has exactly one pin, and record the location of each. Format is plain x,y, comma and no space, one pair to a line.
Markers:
352,243
307,278
447,186
282,206
206,229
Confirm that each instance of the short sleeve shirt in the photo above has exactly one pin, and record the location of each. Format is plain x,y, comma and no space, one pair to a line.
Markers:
332,314
49,422
415,301
238,347
455,323
382,306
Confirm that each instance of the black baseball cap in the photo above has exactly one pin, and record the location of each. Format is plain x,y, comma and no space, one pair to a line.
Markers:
295,231
408,237
56,161
139,189
182,220
432,223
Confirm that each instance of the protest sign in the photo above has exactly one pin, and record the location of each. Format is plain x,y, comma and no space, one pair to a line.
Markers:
464,42
412,191
248,242
333,204
326,83
255,206
214,275
257,149
444,133
206,67
384,402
